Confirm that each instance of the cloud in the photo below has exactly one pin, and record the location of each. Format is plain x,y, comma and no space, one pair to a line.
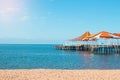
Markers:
10,9
24,18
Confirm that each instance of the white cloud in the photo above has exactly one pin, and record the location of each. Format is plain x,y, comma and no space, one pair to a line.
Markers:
10,9
24,18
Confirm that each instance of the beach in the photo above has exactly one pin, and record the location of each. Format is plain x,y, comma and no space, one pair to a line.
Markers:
47,74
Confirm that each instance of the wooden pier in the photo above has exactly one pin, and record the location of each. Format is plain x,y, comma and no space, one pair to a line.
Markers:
102,49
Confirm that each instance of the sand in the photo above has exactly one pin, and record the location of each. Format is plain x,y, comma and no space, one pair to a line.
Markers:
59,74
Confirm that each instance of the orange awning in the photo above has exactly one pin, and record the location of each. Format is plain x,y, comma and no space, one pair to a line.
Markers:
105,34
102,34
92,37
81,38
117,34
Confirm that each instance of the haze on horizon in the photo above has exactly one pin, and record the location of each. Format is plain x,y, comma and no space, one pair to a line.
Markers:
46,21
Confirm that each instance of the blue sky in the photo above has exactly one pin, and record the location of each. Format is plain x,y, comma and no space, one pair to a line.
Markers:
46,21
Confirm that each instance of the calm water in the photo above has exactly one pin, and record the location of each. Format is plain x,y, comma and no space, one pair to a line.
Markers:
46,57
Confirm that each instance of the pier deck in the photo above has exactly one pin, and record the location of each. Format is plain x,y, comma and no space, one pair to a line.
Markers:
92,48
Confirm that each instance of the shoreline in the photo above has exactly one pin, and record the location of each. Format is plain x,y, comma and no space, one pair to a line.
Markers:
59,69
53,74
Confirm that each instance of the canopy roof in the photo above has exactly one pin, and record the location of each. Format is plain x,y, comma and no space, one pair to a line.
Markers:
91,37
104,34
81,38
117,34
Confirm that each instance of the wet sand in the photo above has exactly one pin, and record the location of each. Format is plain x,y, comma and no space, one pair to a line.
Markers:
44,74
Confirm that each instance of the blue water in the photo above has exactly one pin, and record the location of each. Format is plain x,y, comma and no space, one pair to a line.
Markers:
38,56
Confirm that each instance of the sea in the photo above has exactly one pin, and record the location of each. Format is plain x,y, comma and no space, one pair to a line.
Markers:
45,56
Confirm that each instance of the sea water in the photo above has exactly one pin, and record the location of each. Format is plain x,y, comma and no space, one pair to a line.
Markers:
44,56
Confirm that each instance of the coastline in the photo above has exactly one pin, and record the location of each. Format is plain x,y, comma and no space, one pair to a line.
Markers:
51,74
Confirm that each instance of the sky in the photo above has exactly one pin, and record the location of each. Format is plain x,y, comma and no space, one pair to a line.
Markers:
55,21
